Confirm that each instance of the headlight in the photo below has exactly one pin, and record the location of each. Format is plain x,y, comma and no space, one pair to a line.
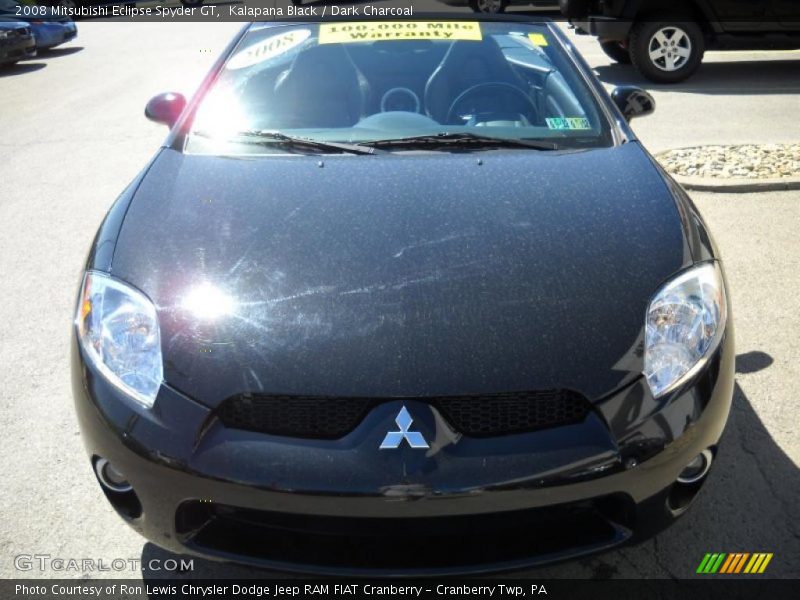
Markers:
4,34
118,329
684,325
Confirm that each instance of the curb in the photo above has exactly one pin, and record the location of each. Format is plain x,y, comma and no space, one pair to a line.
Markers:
737,186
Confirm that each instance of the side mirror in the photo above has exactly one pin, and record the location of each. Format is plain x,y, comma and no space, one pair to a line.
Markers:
633,101
165,108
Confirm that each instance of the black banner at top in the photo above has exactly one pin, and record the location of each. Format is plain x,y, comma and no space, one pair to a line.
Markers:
756,16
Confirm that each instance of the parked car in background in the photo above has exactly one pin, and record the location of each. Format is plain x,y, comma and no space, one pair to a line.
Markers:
498,6
16,42
666,39
49,28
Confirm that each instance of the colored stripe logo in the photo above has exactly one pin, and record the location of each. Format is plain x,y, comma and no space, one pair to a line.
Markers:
733,563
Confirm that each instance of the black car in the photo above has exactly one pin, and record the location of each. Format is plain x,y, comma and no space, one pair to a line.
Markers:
499,6
16,42
665,40
401,297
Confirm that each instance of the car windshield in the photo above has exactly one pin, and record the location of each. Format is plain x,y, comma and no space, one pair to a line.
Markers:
395,86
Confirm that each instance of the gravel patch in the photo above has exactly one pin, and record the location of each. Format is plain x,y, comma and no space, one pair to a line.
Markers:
747,161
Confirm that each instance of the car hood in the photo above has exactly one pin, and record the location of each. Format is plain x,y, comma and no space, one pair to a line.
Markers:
401,275
8,23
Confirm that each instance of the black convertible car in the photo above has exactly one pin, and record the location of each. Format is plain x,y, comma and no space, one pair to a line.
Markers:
401,297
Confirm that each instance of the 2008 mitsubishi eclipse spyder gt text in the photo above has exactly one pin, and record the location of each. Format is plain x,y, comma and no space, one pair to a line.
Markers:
402,297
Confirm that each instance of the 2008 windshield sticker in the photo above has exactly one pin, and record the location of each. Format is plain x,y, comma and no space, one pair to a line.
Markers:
342,33
568,123
269,48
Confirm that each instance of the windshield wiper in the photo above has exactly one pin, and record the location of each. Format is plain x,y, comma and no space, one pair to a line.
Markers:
267,137
473,140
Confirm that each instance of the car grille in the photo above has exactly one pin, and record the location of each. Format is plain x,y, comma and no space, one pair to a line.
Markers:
325,417
455,543
295,416
497,414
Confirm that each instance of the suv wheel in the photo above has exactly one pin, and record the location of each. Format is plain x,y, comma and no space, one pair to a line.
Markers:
616,51
666,50
488,6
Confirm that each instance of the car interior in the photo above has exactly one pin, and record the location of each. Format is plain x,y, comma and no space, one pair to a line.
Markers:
501,80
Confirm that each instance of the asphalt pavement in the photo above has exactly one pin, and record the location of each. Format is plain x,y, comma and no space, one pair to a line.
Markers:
72,135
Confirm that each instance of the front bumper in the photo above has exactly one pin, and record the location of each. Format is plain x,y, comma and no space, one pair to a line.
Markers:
605,28
344,506
49,35
18,48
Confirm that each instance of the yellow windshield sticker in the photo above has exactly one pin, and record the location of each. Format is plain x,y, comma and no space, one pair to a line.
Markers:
342,33
538,39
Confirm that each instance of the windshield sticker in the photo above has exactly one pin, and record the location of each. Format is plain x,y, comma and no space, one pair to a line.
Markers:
538,39
341,33
269,48
568,123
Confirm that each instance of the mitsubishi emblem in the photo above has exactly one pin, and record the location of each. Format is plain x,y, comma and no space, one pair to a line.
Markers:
393,439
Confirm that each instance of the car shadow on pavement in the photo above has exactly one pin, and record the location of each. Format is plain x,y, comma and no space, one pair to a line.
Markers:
749,504
754,77
21,68
55,52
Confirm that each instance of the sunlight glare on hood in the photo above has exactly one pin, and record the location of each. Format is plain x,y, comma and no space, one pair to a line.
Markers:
208,302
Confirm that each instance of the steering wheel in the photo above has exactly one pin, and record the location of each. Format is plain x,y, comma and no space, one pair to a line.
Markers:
502,88
402,92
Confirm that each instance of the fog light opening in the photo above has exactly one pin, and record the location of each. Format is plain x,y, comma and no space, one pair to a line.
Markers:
110,478
689,482
117,489
697,468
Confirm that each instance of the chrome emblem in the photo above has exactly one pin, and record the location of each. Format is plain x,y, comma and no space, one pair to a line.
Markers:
393,439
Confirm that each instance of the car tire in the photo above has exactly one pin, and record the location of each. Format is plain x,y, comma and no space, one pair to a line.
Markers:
666,50
616,51
492,7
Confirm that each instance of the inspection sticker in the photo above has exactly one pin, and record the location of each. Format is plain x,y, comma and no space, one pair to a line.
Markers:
269,48
340,33
568,123
538,39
